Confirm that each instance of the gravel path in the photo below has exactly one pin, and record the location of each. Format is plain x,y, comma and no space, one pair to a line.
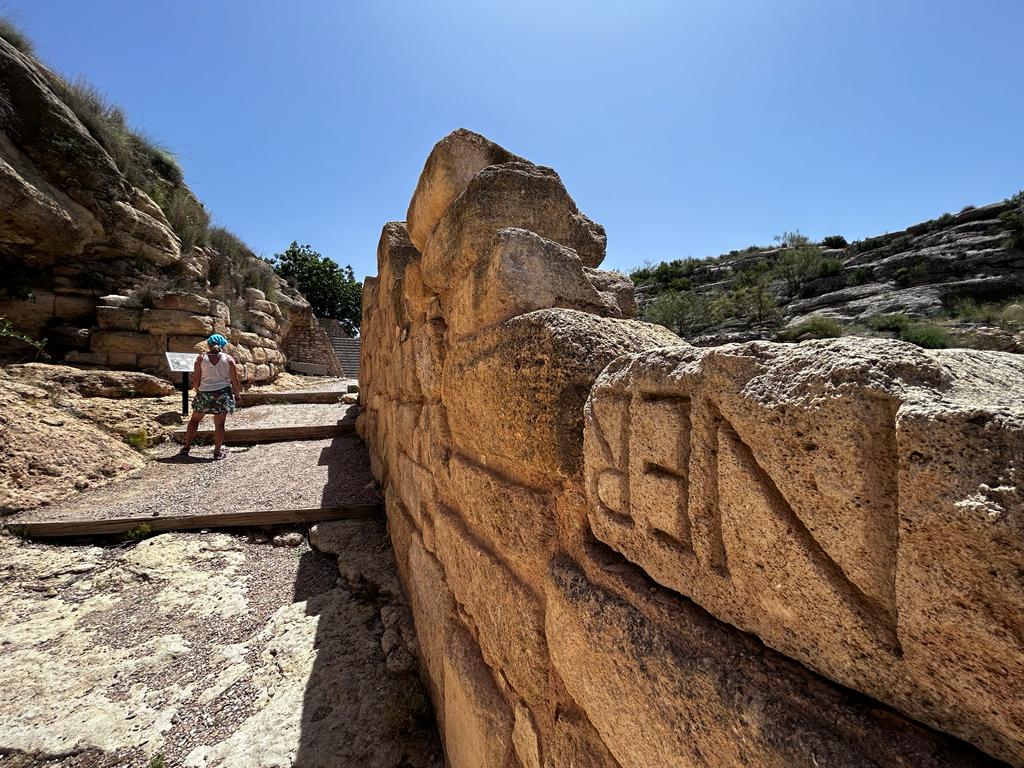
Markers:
289,475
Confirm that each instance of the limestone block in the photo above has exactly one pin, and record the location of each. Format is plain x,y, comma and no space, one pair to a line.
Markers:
118,318
666,684
616,289
477,721
241,354
267,308
262,320
218,309
516,520
434,613
259,355
527,380
128,341
175,321
452,163
183,302
310,369
511,195
520,272
853,503
262,373
157,363
248,372
186,344
265,335
254,294
274,356
123,359
508,615
74,307
77,357
524,738
248,339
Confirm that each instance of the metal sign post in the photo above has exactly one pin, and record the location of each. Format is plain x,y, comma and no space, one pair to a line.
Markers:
183,363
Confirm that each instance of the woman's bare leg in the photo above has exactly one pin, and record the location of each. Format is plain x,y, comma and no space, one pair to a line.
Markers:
218,431
193,427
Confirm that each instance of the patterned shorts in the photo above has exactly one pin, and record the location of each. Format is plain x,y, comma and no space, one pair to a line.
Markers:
218,401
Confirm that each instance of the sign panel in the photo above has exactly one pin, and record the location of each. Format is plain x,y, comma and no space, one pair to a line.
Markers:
181,362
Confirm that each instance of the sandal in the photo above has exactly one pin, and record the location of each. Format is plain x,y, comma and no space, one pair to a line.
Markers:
221,454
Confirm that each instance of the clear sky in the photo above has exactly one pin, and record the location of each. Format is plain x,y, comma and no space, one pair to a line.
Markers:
687,128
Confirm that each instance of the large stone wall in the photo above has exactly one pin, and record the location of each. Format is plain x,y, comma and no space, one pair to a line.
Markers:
621,550
308,343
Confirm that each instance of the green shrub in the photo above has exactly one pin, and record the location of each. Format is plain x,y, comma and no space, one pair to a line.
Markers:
1014,221
893,323
16,37
816,327
905,276
792,239
860,276
927,335
138,438
834,241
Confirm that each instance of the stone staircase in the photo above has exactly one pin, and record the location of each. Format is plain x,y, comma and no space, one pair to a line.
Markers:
346,349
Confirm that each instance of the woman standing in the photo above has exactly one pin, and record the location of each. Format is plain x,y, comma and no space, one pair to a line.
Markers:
215,377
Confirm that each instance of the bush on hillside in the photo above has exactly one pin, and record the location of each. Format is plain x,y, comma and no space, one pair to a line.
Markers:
893,323
816,327
683,312
187,217
927,335
834,241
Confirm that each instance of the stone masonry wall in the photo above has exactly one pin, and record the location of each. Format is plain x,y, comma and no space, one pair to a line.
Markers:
621,550
308,342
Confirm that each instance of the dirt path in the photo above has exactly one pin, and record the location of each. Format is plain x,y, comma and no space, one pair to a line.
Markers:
290,475
210,650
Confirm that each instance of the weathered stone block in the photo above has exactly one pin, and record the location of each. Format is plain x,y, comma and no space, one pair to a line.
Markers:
616,290
118,318
262,373
812,494
123,359
518,273
527,380
477,721
518,195
74,307
186,344
507,614
666,684
128,341
174,321
183,302
452,163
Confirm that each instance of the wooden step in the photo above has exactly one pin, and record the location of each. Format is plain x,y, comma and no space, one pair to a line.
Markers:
275,398
276,434
38,529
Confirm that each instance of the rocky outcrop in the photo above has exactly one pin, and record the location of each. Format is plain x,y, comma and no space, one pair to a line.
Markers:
92,263
598,525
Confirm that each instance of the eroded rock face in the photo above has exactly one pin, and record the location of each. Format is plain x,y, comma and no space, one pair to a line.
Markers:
561,483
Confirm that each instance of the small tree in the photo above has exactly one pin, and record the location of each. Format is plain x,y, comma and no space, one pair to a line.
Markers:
331,290
683,312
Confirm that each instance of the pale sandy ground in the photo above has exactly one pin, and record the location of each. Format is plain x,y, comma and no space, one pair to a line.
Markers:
209,650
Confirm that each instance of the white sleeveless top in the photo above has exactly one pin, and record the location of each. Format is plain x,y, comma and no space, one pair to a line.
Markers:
215,376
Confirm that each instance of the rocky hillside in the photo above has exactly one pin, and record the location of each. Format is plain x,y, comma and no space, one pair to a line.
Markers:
95,214
957,280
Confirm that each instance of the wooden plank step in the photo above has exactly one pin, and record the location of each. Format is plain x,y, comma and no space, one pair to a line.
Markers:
276,434
275,398
37,529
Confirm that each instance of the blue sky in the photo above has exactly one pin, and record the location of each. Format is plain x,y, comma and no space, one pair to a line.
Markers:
686,128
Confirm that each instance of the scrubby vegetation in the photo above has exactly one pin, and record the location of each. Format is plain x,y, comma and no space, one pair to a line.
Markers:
15,37
817,327
8,331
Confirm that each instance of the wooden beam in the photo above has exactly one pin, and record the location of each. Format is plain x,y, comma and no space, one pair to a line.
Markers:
276,434
274,398
38,529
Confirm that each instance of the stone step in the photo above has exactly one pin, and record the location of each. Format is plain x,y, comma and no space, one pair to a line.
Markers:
325,397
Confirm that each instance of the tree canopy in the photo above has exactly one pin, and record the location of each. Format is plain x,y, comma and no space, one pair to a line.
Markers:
331,290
